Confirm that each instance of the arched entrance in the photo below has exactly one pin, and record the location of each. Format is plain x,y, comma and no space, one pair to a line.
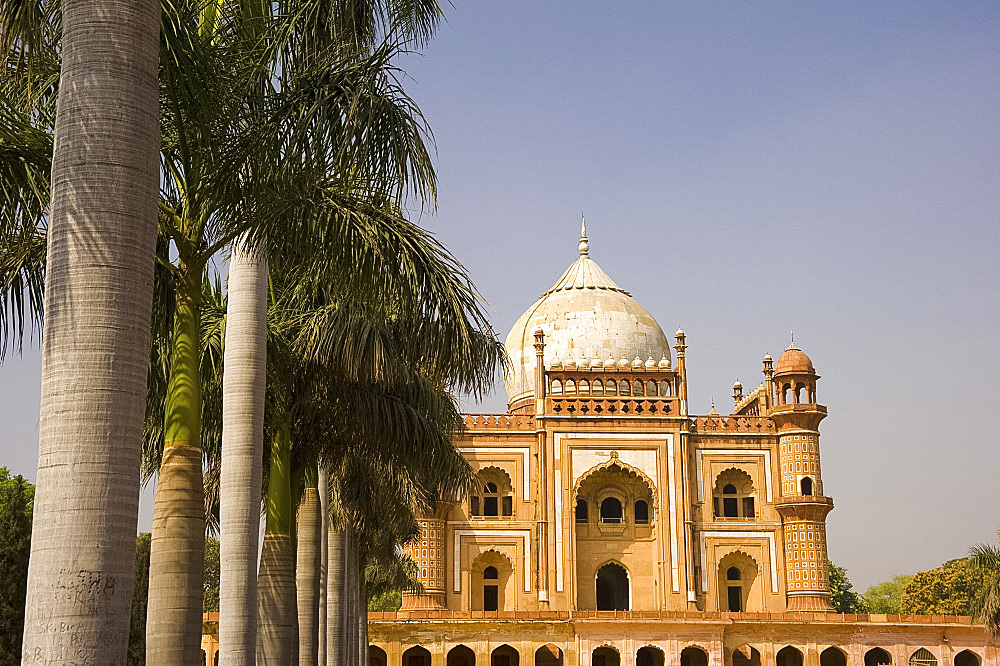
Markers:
505,655
548,655
788,656
377,656
746,655
967,658
461,656
612,587
649,656
877,657
416,656
923,657
832,657
605,656
694,656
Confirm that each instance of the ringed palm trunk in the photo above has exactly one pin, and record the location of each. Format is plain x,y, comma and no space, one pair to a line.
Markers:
243,385
177,550
307,569
95,352
336,652
276,581
324,513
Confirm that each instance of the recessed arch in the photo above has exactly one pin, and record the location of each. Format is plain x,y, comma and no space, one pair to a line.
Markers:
738,582
967,658
694,655
598,387
651,388
548,655
556,388
788,656
605,656
637,388
505,655
493,494
734,495
612,388
377,656
806,485
460,655
417,656
923,657
613,588
604,474
877,657
640,512
611,510
649,655
746,655
832,656
492,581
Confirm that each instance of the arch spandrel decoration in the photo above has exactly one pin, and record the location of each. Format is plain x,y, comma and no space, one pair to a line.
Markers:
611,471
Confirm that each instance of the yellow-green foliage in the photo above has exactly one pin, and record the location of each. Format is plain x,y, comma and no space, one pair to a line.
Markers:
948,590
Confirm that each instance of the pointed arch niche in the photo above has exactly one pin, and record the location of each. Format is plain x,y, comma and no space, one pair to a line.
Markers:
493,588
739,583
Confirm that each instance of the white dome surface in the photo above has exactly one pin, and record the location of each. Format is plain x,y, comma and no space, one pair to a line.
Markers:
584,316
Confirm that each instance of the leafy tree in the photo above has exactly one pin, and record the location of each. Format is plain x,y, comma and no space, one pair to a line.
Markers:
137,627
950,589
211,602
16,503
986,606
886,597
843,596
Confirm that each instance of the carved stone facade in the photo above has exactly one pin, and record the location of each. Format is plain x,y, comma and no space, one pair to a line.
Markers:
610,525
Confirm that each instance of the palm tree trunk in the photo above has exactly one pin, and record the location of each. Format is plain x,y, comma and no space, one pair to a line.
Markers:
364,618
276,581
176,561
324,514
335,598
307,575
351,624
95,352
243,386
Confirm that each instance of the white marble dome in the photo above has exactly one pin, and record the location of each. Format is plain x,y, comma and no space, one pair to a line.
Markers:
584,316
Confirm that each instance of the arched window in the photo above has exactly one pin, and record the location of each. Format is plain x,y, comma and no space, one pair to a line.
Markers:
694,656
460,655
612,587
584,386
611,510
556,388
832,657
581,511
807,485
734,495
637,387
788,656
598,387
967,658
786,390
649,656
665,388
612,387
491,588
877,657
801,394
734,590
377,656
570,386
650,387
641,513
923,657
625,388
493,494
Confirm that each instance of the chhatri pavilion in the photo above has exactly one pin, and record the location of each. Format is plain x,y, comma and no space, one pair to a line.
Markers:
611,526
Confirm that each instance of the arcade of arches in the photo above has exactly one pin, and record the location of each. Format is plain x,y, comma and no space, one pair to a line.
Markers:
614,520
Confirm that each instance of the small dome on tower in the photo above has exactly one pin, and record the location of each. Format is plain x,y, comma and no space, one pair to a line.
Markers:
664,363
609,364
737,385
650,363
623,363
794,362
637,363
556,364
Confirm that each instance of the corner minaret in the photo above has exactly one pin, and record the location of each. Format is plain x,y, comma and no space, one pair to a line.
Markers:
801,503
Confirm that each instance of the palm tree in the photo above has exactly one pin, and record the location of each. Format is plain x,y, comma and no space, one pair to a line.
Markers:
101,239
986,605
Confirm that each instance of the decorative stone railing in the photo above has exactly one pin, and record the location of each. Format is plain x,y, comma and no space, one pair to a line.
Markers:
596,406
499,422
745,424
795,617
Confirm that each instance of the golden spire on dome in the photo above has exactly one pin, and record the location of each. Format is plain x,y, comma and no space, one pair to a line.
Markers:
584,246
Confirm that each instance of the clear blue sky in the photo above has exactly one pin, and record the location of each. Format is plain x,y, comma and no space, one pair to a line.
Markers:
746,169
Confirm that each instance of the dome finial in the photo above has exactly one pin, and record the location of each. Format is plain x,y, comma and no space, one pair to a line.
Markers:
584,246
